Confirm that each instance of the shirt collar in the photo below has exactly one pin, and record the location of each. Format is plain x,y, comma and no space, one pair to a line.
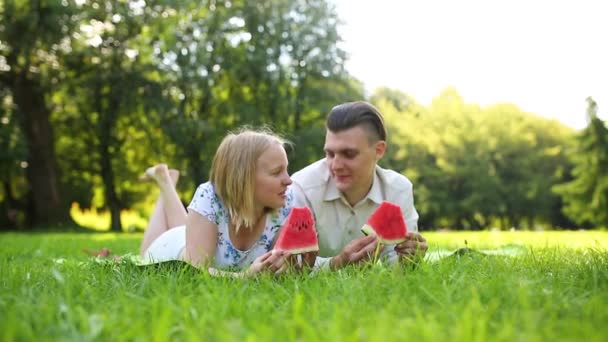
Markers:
375,193
331,192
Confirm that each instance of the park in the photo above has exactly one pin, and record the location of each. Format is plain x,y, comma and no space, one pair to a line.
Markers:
513,205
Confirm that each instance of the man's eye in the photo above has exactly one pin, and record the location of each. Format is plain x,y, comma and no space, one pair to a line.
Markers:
350,155
329,154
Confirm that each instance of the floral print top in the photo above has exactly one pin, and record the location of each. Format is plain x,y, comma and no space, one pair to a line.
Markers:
207,203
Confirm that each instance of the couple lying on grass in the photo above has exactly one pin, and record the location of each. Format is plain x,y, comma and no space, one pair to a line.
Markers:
234,218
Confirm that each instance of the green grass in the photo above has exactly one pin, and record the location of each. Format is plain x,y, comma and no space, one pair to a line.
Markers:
554,288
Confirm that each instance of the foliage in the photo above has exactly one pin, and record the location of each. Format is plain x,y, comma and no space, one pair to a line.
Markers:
126,84
12,161
476,167
33,38
586,195
93,92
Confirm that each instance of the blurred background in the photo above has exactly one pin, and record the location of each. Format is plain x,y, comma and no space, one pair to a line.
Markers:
493,107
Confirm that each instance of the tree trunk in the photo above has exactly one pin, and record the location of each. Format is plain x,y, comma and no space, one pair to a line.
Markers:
111,197
107,118
46,207
10,208
298,102
504,225
198,171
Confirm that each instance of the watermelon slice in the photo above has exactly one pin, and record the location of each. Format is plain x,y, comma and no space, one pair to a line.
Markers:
387,223
298,234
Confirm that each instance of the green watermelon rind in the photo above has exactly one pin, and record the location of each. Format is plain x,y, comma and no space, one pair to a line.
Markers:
301,250
369,230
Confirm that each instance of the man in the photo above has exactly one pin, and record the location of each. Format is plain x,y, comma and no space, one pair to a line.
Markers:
345,188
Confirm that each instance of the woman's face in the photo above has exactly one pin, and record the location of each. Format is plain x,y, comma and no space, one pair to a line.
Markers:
272,179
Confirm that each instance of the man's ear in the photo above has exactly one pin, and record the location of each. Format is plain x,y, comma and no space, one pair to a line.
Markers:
380,149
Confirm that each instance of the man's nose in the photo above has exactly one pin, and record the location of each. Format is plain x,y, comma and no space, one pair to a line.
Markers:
337,163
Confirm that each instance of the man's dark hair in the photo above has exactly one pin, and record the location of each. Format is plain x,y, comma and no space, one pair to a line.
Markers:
359,113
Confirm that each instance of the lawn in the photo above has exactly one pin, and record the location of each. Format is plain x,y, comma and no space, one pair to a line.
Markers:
531,286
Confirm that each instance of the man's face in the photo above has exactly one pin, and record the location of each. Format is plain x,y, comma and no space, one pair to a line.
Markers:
352,159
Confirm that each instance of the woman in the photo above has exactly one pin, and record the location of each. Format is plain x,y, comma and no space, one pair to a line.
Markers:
233,218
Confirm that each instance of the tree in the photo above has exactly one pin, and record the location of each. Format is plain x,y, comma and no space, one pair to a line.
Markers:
586,195
12,161
110,86
33,37
474,167
111,72
251,63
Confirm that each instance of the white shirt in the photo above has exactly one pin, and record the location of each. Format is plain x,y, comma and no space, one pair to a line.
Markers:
336,221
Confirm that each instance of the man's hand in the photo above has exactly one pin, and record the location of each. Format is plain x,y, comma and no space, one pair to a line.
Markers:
356,251
413,248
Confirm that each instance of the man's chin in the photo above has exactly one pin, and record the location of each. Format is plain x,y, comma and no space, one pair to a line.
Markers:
342,187
342,180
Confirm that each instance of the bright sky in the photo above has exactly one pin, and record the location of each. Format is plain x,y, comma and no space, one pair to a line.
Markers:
544,56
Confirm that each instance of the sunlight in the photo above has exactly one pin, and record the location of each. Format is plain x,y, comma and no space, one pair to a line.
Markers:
100,220
518,52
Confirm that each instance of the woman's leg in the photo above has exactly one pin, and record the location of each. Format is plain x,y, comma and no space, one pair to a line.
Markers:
168,211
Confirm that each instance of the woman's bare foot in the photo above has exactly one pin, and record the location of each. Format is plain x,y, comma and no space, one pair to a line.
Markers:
174,174
156,173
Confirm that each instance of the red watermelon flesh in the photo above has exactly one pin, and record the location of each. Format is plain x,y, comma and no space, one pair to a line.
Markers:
387,223
298,234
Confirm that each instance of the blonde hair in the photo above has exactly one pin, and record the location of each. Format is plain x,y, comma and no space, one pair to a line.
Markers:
233,171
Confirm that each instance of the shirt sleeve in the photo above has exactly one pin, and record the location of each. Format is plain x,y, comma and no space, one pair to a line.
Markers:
321,264
206,202
410,215
389,255
299,198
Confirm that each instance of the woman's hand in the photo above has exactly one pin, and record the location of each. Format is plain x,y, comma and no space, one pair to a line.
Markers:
273,261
